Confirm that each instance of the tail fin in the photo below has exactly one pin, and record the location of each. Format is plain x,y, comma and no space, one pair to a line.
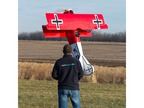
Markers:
88,69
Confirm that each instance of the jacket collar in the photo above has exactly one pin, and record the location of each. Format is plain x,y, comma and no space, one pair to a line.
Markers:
67,55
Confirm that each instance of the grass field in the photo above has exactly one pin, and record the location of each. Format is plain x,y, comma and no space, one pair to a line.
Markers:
105,88
43,94
98,53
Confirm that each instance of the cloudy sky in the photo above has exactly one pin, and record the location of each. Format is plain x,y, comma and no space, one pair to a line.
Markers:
31,13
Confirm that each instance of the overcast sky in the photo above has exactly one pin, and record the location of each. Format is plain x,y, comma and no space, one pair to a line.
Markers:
31,13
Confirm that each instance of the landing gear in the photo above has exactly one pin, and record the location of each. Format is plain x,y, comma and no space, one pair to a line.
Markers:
77,33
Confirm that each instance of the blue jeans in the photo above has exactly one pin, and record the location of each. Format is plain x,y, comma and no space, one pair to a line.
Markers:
74,97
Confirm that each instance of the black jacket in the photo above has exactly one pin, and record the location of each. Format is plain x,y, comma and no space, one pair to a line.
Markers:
68,72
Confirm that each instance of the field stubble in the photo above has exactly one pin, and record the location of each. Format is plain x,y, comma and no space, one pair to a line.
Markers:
42,71
97,53
36,59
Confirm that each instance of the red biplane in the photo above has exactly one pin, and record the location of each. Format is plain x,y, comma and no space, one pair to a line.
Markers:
73,26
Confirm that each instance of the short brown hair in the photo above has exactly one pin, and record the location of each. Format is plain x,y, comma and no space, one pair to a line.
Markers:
67,49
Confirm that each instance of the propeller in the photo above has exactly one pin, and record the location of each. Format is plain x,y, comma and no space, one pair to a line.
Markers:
63,10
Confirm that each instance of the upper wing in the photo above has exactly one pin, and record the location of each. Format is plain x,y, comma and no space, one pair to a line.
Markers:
75,21
59,24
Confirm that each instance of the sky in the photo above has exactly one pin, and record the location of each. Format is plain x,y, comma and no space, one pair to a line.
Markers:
31,13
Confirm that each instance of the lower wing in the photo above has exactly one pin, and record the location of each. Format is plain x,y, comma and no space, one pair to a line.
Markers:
62,33
53,33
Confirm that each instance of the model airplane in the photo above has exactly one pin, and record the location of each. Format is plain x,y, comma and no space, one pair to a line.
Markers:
73,26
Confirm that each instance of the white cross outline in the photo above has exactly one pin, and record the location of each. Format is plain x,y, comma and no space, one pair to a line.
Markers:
97,21
57,21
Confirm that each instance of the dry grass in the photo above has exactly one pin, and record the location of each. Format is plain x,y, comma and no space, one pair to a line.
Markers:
37,71
42,71
110,74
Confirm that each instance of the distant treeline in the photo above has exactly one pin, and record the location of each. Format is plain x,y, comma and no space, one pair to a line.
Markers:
97,36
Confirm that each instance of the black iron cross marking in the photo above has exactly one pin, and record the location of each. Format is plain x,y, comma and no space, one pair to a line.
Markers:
97,21
88,69
57,21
